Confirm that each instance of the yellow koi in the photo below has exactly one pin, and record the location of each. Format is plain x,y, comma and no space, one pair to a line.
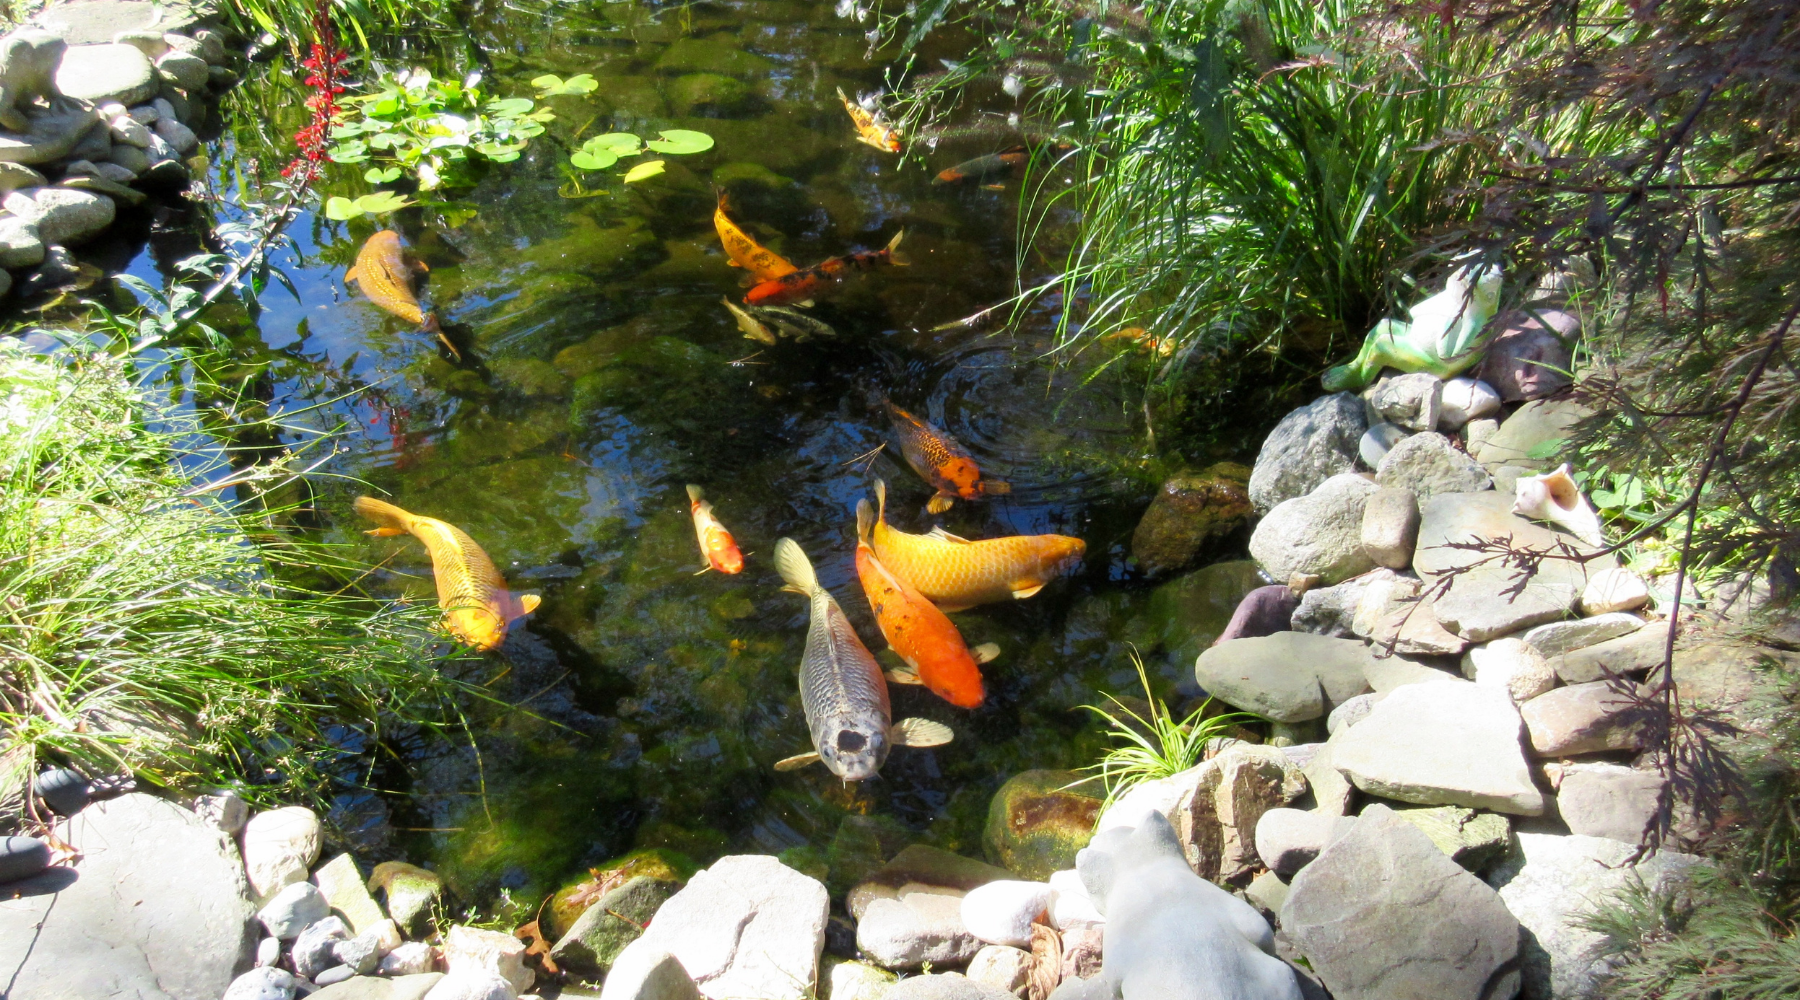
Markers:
386,276
955,573
760,261
871,129
477,606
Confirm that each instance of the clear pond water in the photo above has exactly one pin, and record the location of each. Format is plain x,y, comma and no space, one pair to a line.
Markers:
603,374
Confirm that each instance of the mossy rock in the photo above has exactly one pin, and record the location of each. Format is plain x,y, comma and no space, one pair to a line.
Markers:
1191,511
718,53
610,923
635,97
573,899
807,860
529,376
411,893
715,91
730,175
1187,613
1035,824
1473,839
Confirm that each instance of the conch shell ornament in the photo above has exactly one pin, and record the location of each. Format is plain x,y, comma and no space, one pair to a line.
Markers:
1554,497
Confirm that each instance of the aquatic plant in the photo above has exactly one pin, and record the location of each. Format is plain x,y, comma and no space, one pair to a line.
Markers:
1147,749
370,23
434,129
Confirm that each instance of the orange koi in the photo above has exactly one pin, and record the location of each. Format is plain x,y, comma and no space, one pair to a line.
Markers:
955,573
915,628
716,544
1137,335
987,170
477,606
940,460
870,128
802,287
385,274
762,263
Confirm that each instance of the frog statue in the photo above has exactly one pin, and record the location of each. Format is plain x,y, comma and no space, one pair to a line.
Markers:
1446,334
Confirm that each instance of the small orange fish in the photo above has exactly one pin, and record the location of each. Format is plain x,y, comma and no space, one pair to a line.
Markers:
987,170
385,274
802,287
915,628
955,573
1139,336
762,263
477,606
940,460
716,544
871,129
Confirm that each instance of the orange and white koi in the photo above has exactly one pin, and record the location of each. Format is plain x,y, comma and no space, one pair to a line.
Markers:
477,606
762,263
716,544
802,287
385,274
918,632
870,129
955,573
940,460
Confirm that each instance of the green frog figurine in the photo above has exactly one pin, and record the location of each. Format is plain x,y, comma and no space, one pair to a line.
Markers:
1444,337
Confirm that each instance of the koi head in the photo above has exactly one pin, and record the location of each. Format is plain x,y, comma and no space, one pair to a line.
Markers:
476,626
1059,554
855,750
722,552
963,474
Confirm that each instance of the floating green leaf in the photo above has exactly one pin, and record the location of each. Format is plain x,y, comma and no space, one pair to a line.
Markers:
616,143
349,152
511,107
382,202
681,141
377,175
341,209
644,171
552,85
592,161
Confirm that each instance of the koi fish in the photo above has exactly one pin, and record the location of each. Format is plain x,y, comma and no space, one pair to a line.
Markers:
870,128
940,460
716,544
916,629
385,274
801,287
760,261
477,606
956,574
986,170
841,687
764,323
1138,336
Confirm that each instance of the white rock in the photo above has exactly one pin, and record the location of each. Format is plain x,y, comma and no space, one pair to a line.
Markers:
1451,743
1511,664
262,984
1557,638
1071,906
1001,912
644,971
857,981
1377,441
280,845
476,985
409,959
288,912
1477,433
749,926
106,73
1386,592
1614,589
471,951
1002,967
268,952
1466,399
906,933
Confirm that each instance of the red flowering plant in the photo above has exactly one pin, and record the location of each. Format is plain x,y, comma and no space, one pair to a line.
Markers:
323,76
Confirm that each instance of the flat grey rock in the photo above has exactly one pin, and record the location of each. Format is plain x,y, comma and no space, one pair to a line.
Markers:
1316,534
1534,425
86,22
920,927
1583,718
1478,605
63,217
1451,743
1428,464
1329,611
1632,653
413,987
1558,638
1288,676
748,926
1608,800
1309,445
107,72
1410,401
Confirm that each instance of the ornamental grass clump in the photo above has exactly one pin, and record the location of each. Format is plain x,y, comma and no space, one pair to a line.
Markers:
1148,749
156,619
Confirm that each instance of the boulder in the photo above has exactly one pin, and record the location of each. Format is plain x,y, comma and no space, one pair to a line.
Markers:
14,176
1288,839
158,909
280,845
1472,839
944,986
1557,638
1607,800
341,883
1466,399
1002,968
1002,912
1036,823
1309,445
1529,357
107,72
1288,676
184,70
53,135
613,921
916,928
1330,611
63,217
921,865
746,926
1510,664
1390,526
1316,534
645,972
1214,807
1190,510
20,243
1537,425
1583,718
1411,402
1382,913
1631,653
1390,672
1481,603
1263,611
291,909
470,952
1069,905
1428,464
1614,589
1441,744
410,891
1551,883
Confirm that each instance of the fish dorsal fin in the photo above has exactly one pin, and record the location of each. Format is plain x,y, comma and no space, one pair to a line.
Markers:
1020,595
944,536
529,603
987,652
919,733
903,675
385,532
939,503
797,761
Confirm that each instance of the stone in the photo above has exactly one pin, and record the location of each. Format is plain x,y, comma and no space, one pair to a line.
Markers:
179,137
409,959
1330,611
1479,432
1319,533
334,975
469,951
406,987
410,891
1390,526
1428,464
920,927
22,857
487,986
858,981
1170,933
1069,903
102,20
1084,948
1632,653
341,883
291,909
1538,424
1383,913
1002,912
1309,445
63,217
1557,638
943,986
184,70
262,984
1386,591
51,136
921,864
1529,357
107,72
131,158
1510,664
94,144
1263,611
1036,822
1190,511
746,926
1377,441
1614,589
613,921
159,909
645,972
28,62
223,810
1351,712
1477,605
1733,679
151,43
280,845
1466,399
1551,883
315,949
1002,968
1608,800
64,790
1583,718
1441,744
1472,839
268,950
1214,806
1410,402
1390,672
17,175
1288,676
361,954
212,45
1288,839
1332,792
1414,630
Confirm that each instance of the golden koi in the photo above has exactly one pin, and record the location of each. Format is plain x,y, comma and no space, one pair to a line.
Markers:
955,573
940,460
870,128
716,544
1140,337
762,263
477,606
385,274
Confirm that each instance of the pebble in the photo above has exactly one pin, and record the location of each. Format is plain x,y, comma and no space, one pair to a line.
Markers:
1467,399
335,974
1001,912
127,130
1479,432
262,984
130,157
22,857
268,952
280,845
1377,441
184,70
65,791
315,949
292,909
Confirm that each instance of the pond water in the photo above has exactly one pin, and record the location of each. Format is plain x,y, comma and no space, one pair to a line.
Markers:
603,374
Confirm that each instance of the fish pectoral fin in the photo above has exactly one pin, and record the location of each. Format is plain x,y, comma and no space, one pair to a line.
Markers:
797,761
987,652
903,675
944,536
939,503
528,603
919,733
1020,595
384,532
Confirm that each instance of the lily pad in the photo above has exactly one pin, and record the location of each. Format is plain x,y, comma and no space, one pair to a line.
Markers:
616,143
554,86
511,107
376,175
644,171
681,141
585,160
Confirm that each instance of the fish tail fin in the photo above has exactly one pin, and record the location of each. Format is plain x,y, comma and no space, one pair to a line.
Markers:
724,198
865,520
994,487
388,516
880,501
695,495
843,96
894,255
795,568
431,326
